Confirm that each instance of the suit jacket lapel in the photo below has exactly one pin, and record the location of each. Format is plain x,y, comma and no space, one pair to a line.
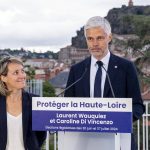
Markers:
3,120
112,72
86,79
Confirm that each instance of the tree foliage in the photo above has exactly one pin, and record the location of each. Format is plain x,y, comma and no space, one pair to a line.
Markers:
139,23
30,72
48,90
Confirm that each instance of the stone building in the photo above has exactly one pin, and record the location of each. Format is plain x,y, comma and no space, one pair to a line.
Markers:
130,3
71,55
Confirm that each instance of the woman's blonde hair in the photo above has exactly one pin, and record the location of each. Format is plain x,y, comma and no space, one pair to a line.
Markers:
4,70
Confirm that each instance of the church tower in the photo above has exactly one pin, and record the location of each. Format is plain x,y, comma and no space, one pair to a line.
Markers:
130,3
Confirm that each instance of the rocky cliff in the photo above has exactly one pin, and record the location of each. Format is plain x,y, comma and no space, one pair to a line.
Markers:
79,41
124,20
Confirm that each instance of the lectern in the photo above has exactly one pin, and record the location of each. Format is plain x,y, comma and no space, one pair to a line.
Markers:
93,141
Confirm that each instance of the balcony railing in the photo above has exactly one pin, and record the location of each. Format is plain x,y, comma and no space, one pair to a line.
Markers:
143,129
35,87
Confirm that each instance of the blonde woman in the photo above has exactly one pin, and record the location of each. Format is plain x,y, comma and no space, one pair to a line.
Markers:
16,109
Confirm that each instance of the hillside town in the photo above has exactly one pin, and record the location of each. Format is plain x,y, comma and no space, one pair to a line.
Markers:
128,42
54,67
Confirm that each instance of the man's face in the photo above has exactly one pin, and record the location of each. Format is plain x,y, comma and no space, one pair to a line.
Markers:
97,41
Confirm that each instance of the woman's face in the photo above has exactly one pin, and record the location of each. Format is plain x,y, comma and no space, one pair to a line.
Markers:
16,77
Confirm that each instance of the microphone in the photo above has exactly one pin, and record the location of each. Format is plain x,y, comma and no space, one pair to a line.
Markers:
112,91
73,82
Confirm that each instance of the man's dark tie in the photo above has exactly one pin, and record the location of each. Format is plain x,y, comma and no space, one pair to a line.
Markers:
98,78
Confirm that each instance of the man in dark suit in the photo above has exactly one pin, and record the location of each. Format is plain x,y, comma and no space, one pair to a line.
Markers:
94,81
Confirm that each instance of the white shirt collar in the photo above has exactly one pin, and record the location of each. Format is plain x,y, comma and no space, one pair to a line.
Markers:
105,60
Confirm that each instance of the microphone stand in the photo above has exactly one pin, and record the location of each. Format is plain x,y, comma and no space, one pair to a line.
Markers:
112,91
53,132
72,83
117,135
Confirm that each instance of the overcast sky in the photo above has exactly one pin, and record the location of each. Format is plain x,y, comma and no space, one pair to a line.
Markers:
43,25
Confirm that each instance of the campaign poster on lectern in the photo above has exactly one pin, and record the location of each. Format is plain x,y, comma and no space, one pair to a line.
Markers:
112,115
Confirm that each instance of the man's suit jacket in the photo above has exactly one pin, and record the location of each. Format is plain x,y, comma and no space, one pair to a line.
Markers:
122,75
32,140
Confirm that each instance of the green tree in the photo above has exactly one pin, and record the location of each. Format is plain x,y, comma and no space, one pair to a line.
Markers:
30,72
48,90
141,23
